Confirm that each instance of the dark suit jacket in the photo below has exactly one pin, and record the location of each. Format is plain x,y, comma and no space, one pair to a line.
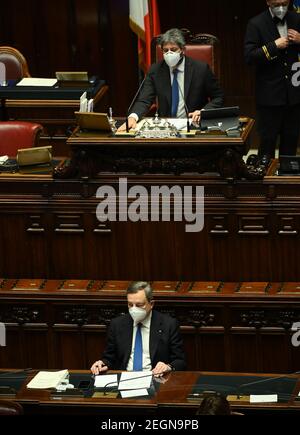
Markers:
201,89
273,66
165,342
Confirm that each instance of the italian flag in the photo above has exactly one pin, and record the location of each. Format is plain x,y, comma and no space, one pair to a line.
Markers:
144,21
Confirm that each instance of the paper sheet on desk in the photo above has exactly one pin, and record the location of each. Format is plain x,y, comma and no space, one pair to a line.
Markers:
102,381
263,398
135,380
31,81
134,393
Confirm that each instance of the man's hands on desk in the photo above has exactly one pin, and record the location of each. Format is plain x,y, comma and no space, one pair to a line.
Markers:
132,122
159,370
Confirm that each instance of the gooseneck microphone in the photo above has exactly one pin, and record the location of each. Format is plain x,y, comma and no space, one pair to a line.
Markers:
133,101
261,381
186,110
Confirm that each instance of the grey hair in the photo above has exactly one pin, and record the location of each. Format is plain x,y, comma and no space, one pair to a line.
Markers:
136,286
173,36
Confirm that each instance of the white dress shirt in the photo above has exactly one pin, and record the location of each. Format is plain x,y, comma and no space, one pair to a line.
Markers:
181,113
145,331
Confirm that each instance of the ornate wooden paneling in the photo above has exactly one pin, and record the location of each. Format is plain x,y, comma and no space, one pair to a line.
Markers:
225,326
247,236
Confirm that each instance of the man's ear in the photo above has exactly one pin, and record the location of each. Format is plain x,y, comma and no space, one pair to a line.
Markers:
152,303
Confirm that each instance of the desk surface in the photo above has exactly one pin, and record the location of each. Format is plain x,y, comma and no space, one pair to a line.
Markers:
172,393
41,93
93,138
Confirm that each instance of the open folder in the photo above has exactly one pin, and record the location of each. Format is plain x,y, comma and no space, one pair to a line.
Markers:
45,380
93,121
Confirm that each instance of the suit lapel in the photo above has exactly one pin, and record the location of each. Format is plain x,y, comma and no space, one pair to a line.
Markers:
127,338
188,75
155,333
165,82
271,26
291,23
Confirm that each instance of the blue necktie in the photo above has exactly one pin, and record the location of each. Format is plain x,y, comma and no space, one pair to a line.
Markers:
175,94
138,350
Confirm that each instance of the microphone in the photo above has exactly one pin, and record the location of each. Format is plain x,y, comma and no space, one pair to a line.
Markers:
133,101
186,110
261,381
15,372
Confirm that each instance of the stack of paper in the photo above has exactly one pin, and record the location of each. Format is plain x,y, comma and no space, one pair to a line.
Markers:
131,384
31,81
45,380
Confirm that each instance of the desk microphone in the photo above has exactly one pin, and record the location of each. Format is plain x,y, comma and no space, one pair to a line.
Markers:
133,101
264,380
186,110
15,372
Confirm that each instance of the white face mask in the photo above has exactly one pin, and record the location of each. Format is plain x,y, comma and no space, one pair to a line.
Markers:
280,11
172,58
137,314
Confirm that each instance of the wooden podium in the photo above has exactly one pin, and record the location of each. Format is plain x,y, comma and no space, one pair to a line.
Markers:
95,153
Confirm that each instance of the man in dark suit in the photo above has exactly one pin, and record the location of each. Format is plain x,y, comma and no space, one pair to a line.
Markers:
175,77
272,45
143,339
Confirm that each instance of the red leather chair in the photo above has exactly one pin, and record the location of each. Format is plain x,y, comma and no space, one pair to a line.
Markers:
201,46
15,63
15,135
8,407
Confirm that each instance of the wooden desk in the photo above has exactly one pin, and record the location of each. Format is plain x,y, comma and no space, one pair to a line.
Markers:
93,153
55,115
170,399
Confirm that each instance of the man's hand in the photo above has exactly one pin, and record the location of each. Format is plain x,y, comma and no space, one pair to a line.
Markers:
160,369
131,124
294,36
196,117
282,43
98,367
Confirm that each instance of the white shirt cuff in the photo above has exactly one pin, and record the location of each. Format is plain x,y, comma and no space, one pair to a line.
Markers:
134,116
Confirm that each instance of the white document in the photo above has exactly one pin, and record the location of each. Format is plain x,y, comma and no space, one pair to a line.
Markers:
3,159
135,380
83,103
264,398
102,381
48,379
90,106
31,81
134,393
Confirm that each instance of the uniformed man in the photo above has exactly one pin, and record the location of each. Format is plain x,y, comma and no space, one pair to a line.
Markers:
272,45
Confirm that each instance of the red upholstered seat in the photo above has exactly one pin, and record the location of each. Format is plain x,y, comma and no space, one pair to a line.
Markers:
15,63
8,407
18,134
